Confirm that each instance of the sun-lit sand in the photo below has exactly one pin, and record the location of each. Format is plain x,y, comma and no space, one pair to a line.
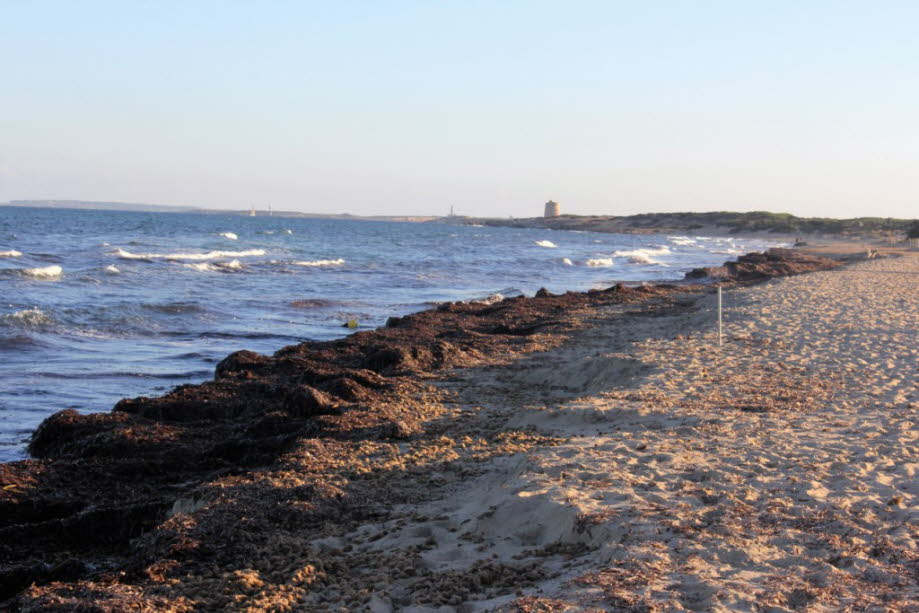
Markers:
776,472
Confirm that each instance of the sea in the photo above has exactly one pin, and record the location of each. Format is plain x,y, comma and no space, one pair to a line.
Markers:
96,306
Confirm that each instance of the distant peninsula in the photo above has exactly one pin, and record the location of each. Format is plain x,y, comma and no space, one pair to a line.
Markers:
170,208
756,222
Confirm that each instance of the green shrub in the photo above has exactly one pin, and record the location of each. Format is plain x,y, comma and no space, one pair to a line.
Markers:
913,231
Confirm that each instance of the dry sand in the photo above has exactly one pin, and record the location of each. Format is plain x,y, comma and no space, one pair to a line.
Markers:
777,472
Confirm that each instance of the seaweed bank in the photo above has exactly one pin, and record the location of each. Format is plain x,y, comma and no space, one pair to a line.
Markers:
588,450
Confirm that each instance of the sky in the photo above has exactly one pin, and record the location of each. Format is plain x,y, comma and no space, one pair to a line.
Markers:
492,107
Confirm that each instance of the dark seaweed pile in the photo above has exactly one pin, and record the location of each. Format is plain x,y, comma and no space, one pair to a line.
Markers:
760,266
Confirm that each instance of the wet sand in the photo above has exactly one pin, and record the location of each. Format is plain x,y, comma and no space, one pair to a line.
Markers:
619,459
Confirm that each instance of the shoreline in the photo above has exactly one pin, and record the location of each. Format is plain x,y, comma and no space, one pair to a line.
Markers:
206,326
316,392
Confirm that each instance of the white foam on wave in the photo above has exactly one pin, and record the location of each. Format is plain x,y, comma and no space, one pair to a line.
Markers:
649,251
288,231
201,267
12,253
494,298
599,262
215,266
321,263
210,255
643,256
681,240
111,268
46,272
27,317
567,262
230,235
547,244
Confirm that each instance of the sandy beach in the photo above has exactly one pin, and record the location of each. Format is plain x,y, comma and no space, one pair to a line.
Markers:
777,472
621,461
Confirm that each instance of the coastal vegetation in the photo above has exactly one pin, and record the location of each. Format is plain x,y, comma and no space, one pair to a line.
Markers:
913,231
732,222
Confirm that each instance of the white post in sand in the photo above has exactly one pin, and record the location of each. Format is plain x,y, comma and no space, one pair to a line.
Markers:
719,315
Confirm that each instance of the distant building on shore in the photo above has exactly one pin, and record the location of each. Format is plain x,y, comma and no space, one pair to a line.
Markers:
552,209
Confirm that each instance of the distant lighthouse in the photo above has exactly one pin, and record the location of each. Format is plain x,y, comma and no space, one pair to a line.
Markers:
552,209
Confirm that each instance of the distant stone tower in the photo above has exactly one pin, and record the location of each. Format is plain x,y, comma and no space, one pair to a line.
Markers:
552,209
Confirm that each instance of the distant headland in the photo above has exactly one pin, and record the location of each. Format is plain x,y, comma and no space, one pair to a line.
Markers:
263,211
714,223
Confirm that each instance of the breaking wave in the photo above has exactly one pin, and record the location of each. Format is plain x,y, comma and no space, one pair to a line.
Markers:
215,266
45,272
30,318
659,250
681,240
567,262
320,263
643,256
547,244
210,255
230,235
111,268
599,262
12,253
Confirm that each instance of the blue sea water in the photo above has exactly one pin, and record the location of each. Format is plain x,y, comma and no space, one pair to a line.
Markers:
98,305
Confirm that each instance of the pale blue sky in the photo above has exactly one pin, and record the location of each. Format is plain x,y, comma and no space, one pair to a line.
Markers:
494,107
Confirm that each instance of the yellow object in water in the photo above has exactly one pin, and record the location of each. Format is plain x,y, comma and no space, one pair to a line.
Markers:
352,323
